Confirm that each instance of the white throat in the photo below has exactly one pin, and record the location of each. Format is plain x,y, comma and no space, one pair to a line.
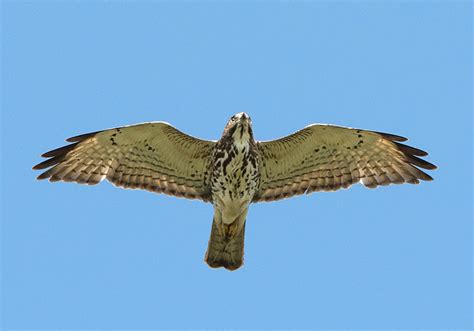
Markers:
242,141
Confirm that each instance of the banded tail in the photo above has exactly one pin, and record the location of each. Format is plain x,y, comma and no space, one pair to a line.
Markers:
225,250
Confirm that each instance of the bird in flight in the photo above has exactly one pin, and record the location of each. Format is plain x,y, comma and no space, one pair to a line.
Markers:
236,170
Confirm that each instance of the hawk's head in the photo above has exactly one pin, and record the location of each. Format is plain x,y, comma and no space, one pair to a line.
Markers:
239,128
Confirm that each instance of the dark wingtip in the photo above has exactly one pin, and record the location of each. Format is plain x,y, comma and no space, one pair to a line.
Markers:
37,166
410,150
60,151
428,178
411,154
54,156
57,158
419,162
433,166
44,175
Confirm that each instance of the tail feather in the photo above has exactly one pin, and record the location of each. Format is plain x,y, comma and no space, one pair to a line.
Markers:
225,250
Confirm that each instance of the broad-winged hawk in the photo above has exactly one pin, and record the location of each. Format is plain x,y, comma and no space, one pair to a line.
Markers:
236,170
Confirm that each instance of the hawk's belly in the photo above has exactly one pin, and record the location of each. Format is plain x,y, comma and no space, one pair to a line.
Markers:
234,183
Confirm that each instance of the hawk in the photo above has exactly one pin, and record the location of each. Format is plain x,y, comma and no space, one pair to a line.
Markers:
236,170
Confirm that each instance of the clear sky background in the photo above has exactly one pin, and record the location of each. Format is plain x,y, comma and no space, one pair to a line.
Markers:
100,257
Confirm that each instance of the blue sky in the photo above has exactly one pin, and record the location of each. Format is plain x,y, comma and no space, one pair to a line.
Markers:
99,257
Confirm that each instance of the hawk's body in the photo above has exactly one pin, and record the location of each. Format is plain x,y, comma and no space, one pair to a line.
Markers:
234,181
236,170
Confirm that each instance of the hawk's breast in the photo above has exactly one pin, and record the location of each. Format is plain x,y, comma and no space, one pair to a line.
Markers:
235,179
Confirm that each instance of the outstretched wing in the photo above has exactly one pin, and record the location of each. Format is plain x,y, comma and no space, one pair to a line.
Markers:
151,156
327,158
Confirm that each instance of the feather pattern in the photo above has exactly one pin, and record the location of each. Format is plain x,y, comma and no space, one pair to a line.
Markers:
151,156
328,158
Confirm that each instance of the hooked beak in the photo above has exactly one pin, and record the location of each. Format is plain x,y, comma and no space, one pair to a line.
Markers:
243,117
